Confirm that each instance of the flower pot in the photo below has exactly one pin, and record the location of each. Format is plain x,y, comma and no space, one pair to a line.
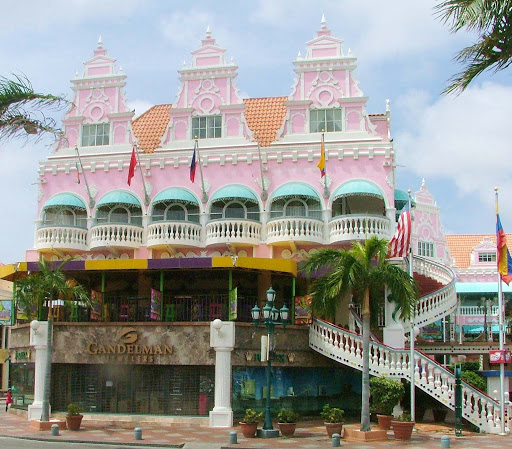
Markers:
384,421
287,428
402,429
249,429
333,427
74,421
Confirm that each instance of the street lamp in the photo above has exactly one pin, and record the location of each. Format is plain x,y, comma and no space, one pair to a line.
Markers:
271,317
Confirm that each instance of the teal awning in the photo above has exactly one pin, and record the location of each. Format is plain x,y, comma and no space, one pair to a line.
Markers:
401,199
175,194
357,188
118,197
65,199
481,287
233,192
294,189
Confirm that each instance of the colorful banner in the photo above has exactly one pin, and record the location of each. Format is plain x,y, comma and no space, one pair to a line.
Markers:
155,312
303,313
233,304
5,312
97,303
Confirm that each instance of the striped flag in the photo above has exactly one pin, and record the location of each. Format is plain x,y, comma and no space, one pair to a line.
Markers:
77,173
504,260
399,244
193,164
321,162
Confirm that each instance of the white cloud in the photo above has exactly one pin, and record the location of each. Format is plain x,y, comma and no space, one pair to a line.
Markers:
139,106
465,139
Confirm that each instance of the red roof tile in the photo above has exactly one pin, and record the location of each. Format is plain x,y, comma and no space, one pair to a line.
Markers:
150,127
461,246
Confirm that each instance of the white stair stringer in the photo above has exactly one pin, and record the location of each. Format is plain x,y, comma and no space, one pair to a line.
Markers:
345,347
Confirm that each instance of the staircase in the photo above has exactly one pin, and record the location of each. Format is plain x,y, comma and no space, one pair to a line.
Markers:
345,347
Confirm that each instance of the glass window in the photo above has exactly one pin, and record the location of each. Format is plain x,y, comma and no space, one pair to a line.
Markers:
325,120
426,249
95,135
486,257
207,127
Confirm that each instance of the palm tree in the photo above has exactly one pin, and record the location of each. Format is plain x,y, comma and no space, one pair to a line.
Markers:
48,284
492,21
22,109
362,271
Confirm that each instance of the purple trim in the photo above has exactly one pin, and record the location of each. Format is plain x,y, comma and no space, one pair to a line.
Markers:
192,262
72,265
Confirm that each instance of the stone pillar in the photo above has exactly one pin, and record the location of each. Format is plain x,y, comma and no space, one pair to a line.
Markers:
222,339
393,333
38,339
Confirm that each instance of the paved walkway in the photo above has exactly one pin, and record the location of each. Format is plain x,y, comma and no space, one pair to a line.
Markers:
309,435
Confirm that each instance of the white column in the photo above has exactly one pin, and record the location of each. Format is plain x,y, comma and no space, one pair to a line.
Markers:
38,339
393,333
222,339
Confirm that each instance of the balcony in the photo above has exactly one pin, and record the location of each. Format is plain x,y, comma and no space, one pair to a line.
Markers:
345,228
297,229
61,237
176,233
113,235
238,231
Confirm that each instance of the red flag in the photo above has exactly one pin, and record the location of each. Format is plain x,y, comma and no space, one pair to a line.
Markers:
193,164
131,170
399,244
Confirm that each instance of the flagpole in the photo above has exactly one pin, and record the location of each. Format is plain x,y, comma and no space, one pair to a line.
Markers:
205,196
264,194
326,188
501,338
411,333
146,196
91,199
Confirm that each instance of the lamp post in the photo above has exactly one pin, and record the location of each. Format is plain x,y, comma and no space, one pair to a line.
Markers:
271,318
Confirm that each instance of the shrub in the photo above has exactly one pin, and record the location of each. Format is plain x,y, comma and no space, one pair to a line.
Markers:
287,415
385,393
474,379
74,410
466,366
251,417
404,417
331,414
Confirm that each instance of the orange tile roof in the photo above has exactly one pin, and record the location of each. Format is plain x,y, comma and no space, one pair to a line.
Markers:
461,246
150,127
265,117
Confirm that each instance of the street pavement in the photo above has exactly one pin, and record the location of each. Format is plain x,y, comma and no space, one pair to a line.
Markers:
309,435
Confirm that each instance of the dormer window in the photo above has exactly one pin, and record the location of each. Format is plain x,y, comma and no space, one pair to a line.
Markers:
95,135
207,127
425,249
486,257
325,120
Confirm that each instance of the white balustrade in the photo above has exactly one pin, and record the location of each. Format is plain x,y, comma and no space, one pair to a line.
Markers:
233,231
116,235
355,227
62,237
177,233
346,347
478,311
297,229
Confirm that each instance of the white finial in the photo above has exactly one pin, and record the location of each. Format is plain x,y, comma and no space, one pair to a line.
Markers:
299,55
100,42
349,52
322,22
184,63
76,73
120,68
423,182
388,104
208,29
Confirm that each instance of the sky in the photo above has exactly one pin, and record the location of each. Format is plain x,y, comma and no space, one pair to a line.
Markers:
458,144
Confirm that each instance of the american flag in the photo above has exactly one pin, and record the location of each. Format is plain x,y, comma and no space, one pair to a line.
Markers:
399,244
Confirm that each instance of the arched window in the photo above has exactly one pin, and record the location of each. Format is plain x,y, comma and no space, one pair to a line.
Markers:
63,216
234,209
296,207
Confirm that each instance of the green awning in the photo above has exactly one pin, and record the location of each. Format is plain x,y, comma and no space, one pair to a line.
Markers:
294,189
65,199
357,188
481,287
233,192
401,199
173,194
118,197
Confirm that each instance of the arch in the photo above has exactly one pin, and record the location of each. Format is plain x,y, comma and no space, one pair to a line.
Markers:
233,201
358,197
294,189
358,188
234,191
119,206
64,209
175,194
66,199
295,199
118,197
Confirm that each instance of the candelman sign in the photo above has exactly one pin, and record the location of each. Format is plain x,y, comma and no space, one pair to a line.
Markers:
127,350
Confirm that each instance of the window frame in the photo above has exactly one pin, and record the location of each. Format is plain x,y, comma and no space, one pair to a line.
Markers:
489,257
210,129
316,124
425,249
98,139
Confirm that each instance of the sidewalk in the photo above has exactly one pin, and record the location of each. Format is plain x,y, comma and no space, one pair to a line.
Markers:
309,435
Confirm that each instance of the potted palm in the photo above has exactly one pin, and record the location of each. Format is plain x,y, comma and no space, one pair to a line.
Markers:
333,419
74,417
385,394
249,423
402,427
287,421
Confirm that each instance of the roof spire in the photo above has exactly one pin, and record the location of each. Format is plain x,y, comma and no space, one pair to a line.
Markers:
323,22
208,39
100,41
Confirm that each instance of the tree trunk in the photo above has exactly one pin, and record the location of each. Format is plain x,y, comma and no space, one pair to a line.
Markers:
365,390
45,415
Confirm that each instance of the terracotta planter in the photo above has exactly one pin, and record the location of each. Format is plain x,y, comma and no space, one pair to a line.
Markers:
402,429
74,421
249,429
287,428
384,421
333,427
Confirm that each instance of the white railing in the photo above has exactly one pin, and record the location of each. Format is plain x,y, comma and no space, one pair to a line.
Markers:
173,233
477,311
297,229
233,231
346,347
116,235
356,227
62,237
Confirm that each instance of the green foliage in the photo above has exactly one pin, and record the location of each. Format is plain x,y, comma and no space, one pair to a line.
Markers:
251,417
287,415
331,414
74,410
466,366
404,417
474,379
385,393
